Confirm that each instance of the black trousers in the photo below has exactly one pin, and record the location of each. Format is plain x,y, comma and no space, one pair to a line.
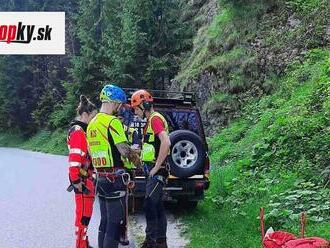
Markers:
112,211
154,210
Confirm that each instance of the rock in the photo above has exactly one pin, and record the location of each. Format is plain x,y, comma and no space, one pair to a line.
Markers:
294,52
175,85
328,32
293,22
269,57
198,2
208,9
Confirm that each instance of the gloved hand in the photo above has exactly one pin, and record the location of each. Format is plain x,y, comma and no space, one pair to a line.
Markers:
136,148
136,160
78,186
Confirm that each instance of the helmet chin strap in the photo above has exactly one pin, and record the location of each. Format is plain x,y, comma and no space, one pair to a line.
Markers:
117,109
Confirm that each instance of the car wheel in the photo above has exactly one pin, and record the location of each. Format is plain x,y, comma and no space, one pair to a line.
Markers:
187,154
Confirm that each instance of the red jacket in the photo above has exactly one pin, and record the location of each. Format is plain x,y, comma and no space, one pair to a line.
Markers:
78,151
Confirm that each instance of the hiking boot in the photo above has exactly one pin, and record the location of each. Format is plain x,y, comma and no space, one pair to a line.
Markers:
149,244
161,243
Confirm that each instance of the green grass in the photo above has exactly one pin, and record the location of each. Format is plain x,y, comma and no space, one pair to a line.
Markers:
281,142
224,19
214,224
209,230
304,6
44,141
213,44
225,49
220,102
47,141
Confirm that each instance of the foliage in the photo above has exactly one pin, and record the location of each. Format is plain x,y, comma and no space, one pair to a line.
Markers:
17,95
31,84
221,103
12,138
276,155
247,46
64,111
44,141
48,141
213,45
131,43
242,228
44,109
303,6
287,206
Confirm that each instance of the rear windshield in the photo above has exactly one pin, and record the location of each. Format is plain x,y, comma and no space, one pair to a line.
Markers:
177,119
181,119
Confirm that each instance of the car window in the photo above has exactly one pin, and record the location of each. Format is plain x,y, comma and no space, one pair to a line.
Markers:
177,120
187,120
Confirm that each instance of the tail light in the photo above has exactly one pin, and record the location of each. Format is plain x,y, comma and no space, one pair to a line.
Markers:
199,185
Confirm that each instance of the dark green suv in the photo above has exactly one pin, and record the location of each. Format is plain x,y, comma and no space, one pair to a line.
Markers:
188,159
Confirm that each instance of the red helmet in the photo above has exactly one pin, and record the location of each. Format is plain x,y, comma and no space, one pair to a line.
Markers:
139,97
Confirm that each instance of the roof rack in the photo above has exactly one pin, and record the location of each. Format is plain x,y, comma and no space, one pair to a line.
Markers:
165,97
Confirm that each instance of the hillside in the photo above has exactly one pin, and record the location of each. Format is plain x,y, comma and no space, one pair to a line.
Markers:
242,47
275,156
261,70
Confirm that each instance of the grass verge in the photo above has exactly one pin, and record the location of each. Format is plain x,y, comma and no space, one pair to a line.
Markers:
44,141
275,156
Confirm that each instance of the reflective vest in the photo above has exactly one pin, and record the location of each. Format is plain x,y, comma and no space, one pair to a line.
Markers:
102,142
151,143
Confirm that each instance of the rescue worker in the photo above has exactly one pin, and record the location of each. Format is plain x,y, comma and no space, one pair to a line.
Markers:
133,141
81,169
125,115
108,144
155,148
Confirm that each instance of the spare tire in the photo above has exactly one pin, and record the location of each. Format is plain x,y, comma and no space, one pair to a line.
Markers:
187,154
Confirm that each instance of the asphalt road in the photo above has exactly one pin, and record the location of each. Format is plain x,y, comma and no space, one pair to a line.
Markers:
36,211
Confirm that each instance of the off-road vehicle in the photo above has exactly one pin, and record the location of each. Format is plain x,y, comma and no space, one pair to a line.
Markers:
188,159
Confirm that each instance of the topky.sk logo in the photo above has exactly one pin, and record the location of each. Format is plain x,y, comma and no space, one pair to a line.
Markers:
21,33
32,33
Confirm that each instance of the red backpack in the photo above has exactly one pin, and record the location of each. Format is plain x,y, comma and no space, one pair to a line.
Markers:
313,242
277,239
282,239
